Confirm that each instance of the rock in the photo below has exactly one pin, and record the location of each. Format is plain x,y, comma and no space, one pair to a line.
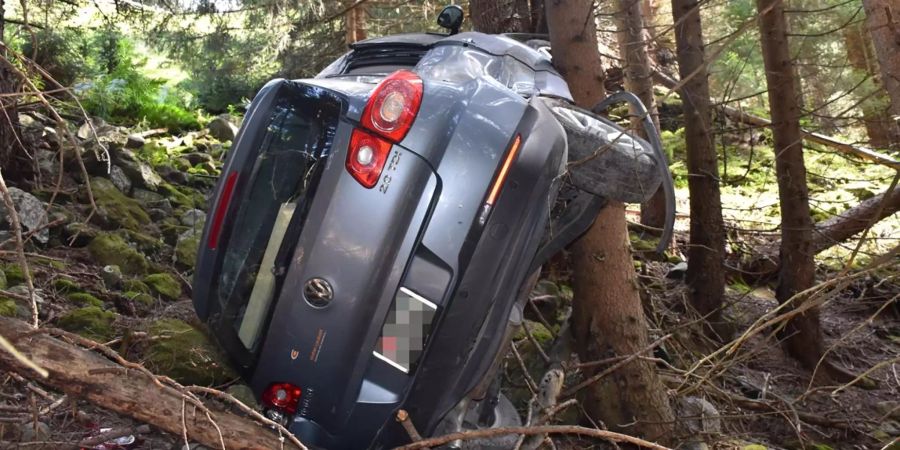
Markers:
91,322
112,276
3,284
77,234
193,218
85,132
699,415
114,209
26,121
243,393
186,247
150,199
678,271
164,284
7,307
195,158
33,432
185,354
134,141
22,290
222,129
141,174
109,249
177,177
84,299
32,215
157,214
119,179
13,274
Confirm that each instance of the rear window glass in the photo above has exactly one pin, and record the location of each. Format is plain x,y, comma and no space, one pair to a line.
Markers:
282,181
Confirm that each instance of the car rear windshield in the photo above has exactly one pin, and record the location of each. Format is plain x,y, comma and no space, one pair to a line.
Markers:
281,184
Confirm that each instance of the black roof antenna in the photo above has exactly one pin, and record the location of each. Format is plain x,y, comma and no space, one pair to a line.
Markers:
451,18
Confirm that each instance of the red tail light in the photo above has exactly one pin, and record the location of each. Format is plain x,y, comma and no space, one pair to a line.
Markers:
282,396
221,209
366,157
393,106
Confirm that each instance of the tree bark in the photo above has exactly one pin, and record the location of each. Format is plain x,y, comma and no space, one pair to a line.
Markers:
638,79
706,274
802,335
503,16
883,22
876,117
89,376
608,319
355,24
13,162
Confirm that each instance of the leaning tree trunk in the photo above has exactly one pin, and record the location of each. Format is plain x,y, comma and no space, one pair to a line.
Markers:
638,79
608,319
706,274
883,21
802,334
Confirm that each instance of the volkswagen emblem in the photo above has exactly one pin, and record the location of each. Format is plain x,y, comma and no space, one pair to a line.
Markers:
318,292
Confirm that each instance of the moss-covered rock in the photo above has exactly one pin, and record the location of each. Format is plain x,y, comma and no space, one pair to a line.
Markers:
144,242
114,209
141,297
182,197
185,354
91,322
186,248
135,286
65,286
7,307
110,249
84,299
164,284
13,273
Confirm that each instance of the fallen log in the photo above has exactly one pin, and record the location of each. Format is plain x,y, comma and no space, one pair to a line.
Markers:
86,375
837,229
748,119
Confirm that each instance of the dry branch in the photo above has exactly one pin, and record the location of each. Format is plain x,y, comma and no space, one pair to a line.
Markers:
547,429
89,376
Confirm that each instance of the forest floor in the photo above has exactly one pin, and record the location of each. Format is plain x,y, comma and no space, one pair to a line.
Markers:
151,209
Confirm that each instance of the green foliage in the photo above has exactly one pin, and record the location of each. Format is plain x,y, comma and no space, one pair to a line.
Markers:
111,83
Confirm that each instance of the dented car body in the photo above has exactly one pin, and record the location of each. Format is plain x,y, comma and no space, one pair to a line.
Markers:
375,228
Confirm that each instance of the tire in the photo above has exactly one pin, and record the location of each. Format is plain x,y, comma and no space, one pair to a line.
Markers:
603,160
505,415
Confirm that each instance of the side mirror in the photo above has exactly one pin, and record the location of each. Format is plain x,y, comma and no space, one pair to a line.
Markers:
451,18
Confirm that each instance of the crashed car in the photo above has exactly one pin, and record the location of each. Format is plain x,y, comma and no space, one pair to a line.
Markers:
377,228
